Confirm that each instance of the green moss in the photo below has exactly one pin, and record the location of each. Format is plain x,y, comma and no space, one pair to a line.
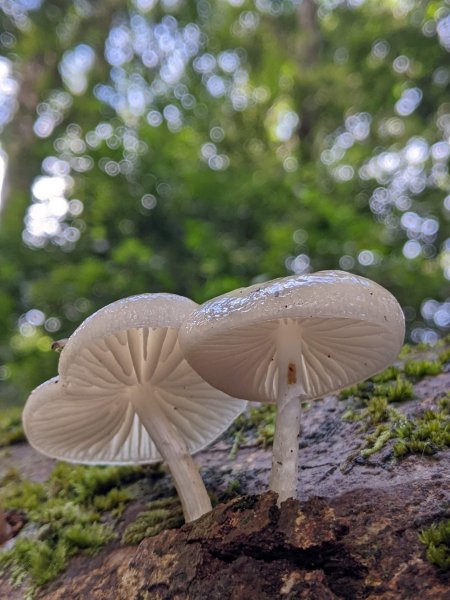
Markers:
22,495
41,556
370,402
437,541
11,475
405,351
387,375
377,410
421,368
444,404
444,356
260,421
388,384
66,516
377,440
115,501
348,392
422,347
264,418
83,483
38,559
11,431
426,435
90,539
161,514
398,391
266,434
352,415
355,391
239,438
233,489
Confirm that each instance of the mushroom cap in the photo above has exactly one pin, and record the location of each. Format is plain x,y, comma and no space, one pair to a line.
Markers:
120,361
340,329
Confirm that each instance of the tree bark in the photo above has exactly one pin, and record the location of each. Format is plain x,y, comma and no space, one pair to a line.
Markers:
5,529
309,38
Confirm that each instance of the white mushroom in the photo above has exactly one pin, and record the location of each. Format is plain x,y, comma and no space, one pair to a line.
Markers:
292,339
126,395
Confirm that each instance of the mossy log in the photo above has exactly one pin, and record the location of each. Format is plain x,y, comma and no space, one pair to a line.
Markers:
372,519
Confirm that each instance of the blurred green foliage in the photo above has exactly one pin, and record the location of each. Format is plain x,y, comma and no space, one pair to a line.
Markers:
194,147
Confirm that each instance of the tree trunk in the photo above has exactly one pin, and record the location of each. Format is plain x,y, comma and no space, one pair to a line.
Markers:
309,34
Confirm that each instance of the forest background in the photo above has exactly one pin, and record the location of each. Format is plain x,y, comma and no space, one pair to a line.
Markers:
198,146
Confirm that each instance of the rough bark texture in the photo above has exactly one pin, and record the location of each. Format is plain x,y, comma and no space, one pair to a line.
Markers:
354,535
5,530
361,545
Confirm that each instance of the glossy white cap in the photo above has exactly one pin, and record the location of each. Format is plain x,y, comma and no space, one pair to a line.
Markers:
117,363
334,328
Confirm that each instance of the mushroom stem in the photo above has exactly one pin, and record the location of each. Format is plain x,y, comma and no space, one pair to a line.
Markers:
284,473
188,483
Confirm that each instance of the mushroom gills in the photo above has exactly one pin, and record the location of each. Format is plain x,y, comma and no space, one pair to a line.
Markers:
125,366
126,395
328,356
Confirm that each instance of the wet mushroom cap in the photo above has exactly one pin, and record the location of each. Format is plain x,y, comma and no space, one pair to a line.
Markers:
117,363
341,328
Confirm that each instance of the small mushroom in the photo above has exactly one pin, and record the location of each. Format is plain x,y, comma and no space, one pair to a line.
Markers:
126,395
58,345
291,340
